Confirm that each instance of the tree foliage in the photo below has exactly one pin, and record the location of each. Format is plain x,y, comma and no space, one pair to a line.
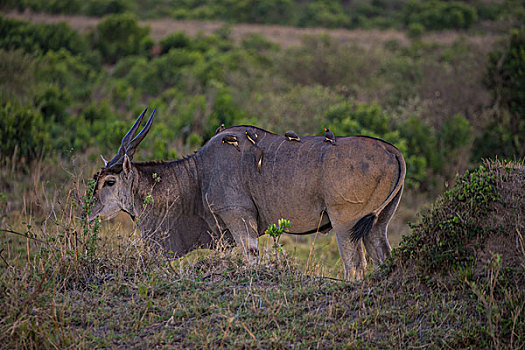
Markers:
505,133
120,35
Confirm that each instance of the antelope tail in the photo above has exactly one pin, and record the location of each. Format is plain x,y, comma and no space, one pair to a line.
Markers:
362,228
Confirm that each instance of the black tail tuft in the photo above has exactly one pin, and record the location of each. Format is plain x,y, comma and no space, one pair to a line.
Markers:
362,228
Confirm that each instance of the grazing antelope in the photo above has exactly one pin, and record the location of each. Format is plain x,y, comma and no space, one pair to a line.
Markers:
352,189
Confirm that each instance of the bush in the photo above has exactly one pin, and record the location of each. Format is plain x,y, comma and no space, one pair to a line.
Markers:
257,43
101,8
324,13
31,38
322,60
49,6
23,133
269,11
120,35
151,77
17,76
52,103
439,15
177,40
483,206
415,30
71,73
454,134
504,134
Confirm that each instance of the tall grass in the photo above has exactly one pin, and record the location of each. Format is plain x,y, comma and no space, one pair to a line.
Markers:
64,283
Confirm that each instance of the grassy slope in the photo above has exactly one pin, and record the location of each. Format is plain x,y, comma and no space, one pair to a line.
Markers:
119,295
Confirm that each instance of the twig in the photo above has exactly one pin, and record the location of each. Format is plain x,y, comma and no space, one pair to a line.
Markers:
333,278
23,235
5,261
313,243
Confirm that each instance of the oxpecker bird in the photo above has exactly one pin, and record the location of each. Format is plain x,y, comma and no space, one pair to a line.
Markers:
220,129
251,135
258,158
292,136
231,140
329,136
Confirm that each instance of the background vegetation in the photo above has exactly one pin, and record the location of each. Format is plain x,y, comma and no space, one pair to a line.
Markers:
402,14
445,99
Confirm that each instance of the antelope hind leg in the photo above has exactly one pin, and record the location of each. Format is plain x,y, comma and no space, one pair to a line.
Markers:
351,252
376,243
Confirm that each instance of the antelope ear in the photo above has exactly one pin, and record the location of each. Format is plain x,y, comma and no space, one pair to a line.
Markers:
126,165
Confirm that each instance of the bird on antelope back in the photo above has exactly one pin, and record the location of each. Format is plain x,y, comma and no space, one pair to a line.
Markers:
231,140
251,135
329,136
292,136
221,128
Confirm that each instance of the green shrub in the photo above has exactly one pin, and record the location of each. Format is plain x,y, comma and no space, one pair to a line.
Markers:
324,13
151,77
224,110
177,40
454,134
415,30
48,6
323,60
52,103
75,74
17,76
403,74
15,34
161,142
101,8
505,78
269,11
23,133
119,35
126,64
258,42
446,237
439,15
361,118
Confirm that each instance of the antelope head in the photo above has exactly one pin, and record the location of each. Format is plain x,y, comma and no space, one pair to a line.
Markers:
114,182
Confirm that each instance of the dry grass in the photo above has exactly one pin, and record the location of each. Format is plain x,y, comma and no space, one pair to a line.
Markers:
55,294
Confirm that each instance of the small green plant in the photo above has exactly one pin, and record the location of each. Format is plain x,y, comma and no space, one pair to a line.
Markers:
275,231
149,197
148,200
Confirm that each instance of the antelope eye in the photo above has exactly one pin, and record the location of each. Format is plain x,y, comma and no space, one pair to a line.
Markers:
109,182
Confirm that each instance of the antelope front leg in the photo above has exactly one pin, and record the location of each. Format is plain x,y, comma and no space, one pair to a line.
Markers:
243,227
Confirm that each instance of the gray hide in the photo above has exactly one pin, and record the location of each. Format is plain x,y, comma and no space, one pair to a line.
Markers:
352,187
